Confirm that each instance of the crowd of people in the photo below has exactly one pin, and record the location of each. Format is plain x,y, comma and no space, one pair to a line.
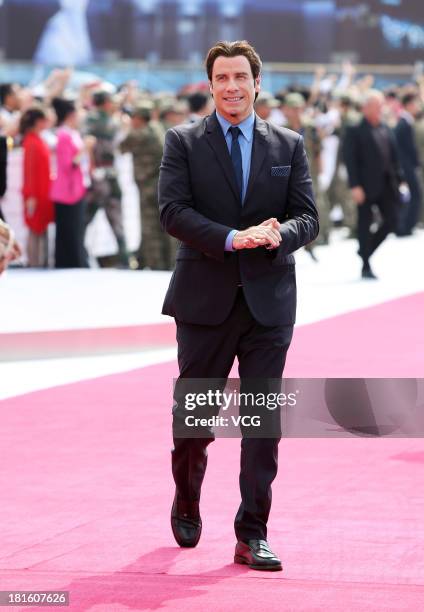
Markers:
365,149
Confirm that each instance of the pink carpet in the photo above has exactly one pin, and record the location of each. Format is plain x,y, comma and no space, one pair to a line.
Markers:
381,341
86,491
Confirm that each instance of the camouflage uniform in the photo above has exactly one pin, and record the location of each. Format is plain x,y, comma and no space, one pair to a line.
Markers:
338,191
146,146
179,112
313,148
105,191
172,246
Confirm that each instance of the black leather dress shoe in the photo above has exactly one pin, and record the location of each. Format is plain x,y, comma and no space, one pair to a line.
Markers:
368,273
257,555
186,522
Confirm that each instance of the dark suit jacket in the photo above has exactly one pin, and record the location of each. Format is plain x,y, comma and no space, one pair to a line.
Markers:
408,152
199,204
364,161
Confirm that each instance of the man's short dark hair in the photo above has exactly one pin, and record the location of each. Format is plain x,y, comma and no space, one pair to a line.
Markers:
5,90
408,98
197,101
233,49
100,98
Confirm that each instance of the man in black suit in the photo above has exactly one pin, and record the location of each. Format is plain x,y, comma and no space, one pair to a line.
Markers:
236,191
410,162
374,176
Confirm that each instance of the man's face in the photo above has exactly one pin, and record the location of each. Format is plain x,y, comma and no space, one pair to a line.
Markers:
12,101
174,118
373,110
138,122
263,110
293,114
413,108
233,87
110,106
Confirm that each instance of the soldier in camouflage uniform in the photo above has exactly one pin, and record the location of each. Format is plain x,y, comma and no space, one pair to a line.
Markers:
172,113
294,106
338,191
105,191
145,143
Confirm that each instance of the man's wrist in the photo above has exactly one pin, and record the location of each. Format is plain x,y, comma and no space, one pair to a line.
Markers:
229,241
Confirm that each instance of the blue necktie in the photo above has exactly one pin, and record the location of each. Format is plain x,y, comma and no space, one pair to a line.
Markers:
236,158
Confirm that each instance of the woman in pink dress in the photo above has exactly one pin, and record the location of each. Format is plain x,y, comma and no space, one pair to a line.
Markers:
68,189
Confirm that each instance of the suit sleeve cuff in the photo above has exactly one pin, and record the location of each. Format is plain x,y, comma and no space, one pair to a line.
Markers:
229,241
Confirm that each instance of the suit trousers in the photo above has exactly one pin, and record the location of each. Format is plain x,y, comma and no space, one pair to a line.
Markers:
388,207
70,230
209,352
411,210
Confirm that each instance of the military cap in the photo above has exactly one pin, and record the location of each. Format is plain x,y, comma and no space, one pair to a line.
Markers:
294,100
174,106
143,109
265,97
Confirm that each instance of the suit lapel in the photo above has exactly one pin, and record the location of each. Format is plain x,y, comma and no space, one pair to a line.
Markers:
259,149
216,140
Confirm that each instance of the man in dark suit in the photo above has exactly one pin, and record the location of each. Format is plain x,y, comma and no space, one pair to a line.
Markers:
374,175
410,162
236,191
